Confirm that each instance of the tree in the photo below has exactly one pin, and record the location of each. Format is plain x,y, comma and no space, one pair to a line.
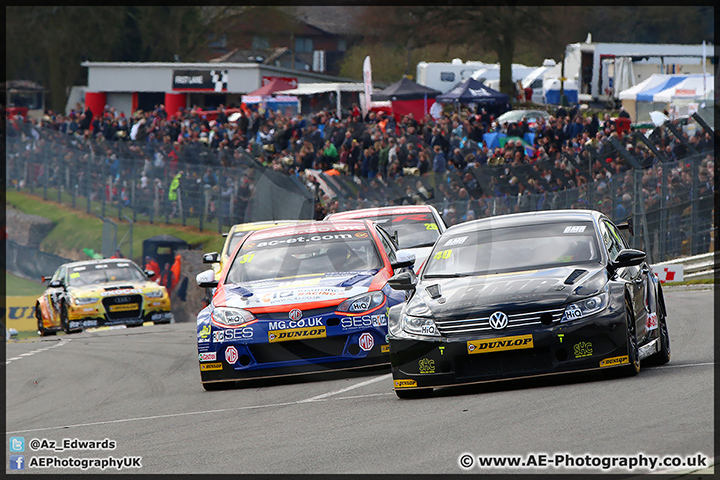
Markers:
499,28
49,43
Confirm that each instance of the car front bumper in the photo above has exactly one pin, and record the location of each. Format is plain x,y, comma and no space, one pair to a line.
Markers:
597,342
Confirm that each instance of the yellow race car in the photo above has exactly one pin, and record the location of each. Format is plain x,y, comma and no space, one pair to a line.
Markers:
95,293
235,235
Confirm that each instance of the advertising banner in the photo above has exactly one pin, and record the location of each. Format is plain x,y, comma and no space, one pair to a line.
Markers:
200,80
20,313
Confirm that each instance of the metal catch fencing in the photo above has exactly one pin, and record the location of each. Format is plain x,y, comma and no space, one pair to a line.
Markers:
667,195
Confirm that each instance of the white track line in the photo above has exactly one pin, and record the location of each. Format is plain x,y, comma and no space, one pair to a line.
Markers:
343,390
30,354
255,407
234,409
686,365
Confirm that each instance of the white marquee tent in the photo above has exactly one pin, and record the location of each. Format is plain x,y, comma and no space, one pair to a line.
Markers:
638,100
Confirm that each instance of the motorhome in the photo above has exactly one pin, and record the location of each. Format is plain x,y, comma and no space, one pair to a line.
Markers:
444,76
602,70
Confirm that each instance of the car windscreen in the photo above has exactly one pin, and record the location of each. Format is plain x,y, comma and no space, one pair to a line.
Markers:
510,249
304,253
234,241
414,229
83,275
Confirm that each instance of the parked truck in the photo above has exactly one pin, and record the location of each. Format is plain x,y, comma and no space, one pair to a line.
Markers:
602,70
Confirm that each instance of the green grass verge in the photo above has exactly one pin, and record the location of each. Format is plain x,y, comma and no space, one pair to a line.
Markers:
19,287
27,335
75,229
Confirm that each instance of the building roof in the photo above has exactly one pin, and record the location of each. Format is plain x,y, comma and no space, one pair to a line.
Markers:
23,85
334,19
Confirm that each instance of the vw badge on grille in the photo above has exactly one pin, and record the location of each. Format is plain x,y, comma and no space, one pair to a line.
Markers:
498,320
295,314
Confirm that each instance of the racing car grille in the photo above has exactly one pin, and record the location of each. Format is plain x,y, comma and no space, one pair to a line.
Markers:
298,349
123,306
470,326
503,363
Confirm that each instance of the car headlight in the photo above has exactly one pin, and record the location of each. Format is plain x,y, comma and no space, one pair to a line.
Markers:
85,300
362,303
154,294
586,307
420,326
416,319
231,317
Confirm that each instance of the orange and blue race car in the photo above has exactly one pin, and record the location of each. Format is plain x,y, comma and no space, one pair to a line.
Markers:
300,299
95,293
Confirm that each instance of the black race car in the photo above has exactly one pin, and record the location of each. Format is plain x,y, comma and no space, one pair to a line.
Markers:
523,295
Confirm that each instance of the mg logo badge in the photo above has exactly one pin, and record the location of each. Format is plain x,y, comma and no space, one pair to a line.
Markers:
498,320
295,314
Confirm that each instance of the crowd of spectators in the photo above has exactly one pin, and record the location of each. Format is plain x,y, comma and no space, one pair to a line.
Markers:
567,160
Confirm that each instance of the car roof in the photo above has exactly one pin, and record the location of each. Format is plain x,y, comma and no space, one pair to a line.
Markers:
378,211
252,226
527,218
304,227
98,261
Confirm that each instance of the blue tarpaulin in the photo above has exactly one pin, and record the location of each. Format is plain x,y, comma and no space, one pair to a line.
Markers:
492,140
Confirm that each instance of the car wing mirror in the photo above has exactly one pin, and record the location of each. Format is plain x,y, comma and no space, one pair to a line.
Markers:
403,281
206,279
149,273
628,257
56,284
211,257
403,258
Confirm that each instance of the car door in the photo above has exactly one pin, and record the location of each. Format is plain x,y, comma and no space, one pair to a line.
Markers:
56,294
632,275
640,279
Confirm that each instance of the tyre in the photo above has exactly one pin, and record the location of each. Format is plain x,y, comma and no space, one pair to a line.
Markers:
414,393
42,331
633,353
663,354
64,322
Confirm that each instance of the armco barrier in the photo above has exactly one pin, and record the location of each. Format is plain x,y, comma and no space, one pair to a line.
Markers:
29,262
694,268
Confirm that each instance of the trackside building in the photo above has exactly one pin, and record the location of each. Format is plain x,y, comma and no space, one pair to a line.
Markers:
131,86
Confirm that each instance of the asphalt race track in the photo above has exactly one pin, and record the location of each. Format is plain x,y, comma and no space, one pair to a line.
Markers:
140,387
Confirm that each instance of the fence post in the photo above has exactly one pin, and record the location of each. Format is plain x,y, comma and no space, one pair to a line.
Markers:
46,167
180,206
104,198
59,179
663,211
695,237
133,199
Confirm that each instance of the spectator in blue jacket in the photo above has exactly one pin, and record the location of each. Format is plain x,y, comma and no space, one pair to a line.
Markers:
439,160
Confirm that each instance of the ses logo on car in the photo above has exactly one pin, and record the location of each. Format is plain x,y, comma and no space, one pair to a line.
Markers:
500,344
